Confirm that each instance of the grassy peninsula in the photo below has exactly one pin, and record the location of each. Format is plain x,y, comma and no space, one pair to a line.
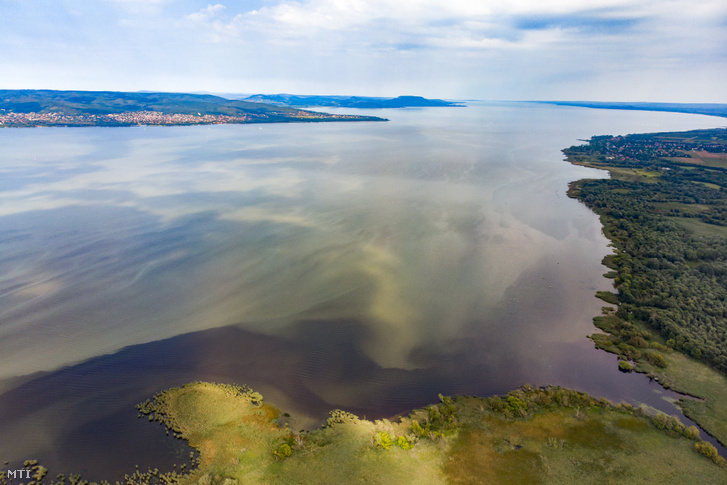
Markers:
29,107
532,435
665,211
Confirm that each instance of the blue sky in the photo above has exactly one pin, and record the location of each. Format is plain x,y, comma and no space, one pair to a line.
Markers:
608,50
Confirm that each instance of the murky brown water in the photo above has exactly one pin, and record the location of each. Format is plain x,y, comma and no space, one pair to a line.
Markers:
368,266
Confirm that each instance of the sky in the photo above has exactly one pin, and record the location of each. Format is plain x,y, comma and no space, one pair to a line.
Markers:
600,50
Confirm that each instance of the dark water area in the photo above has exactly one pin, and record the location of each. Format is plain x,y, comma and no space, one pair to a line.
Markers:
97,432
363,266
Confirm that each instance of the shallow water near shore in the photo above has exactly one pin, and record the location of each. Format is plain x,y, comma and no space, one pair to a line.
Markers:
364,266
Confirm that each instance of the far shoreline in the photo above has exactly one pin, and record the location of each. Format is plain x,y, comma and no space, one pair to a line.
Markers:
707,109
143,119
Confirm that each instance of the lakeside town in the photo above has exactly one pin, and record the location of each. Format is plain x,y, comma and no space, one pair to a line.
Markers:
637,147
11,119
144,118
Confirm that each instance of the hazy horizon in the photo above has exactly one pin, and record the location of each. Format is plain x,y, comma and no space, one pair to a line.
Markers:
602,50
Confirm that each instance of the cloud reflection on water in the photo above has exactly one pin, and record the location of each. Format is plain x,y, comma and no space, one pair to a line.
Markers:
147,244
415,228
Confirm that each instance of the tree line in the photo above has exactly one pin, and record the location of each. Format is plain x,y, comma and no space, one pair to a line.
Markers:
669,275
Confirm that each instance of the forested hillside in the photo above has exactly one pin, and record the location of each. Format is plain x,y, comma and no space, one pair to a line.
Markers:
31,107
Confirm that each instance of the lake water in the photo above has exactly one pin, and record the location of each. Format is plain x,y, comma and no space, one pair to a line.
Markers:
365,266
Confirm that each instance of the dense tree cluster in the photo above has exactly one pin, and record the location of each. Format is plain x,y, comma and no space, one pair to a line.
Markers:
669,276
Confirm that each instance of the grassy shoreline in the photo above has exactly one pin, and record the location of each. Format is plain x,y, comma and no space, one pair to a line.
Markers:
650,167
543,435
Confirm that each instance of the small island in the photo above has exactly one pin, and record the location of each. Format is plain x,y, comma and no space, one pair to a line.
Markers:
30,108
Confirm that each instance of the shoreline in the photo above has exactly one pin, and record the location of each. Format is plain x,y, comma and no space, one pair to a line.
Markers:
707,109
530,435
671,368
157,118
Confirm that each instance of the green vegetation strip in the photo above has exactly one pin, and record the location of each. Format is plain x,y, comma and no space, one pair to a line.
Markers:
532,435
667,219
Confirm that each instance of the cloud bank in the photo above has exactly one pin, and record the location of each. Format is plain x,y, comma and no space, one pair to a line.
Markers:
672,50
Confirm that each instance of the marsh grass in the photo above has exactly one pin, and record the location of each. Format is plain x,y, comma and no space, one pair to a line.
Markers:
532,435
673,370
700,228
691,377
561,445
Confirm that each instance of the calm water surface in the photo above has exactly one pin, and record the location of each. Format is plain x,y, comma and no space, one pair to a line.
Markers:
365,266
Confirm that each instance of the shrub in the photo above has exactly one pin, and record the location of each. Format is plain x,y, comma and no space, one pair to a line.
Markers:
625,366
255,398
656,359
638,341
542,399
671,424
629,351
562,397
692,433
517,406
707,449
283,451
496,404
383,440
403,443
338,416
658,346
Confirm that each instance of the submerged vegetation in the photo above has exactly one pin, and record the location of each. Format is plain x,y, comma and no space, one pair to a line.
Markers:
531,435
665,211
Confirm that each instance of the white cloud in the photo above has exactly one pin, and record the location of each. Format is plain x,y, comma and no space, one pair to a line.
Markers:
348,24
452,47
206,13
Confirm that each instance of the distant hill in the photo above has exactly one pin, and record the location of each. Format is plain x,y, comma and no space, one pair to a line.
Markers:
711,109
88,108
360,102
